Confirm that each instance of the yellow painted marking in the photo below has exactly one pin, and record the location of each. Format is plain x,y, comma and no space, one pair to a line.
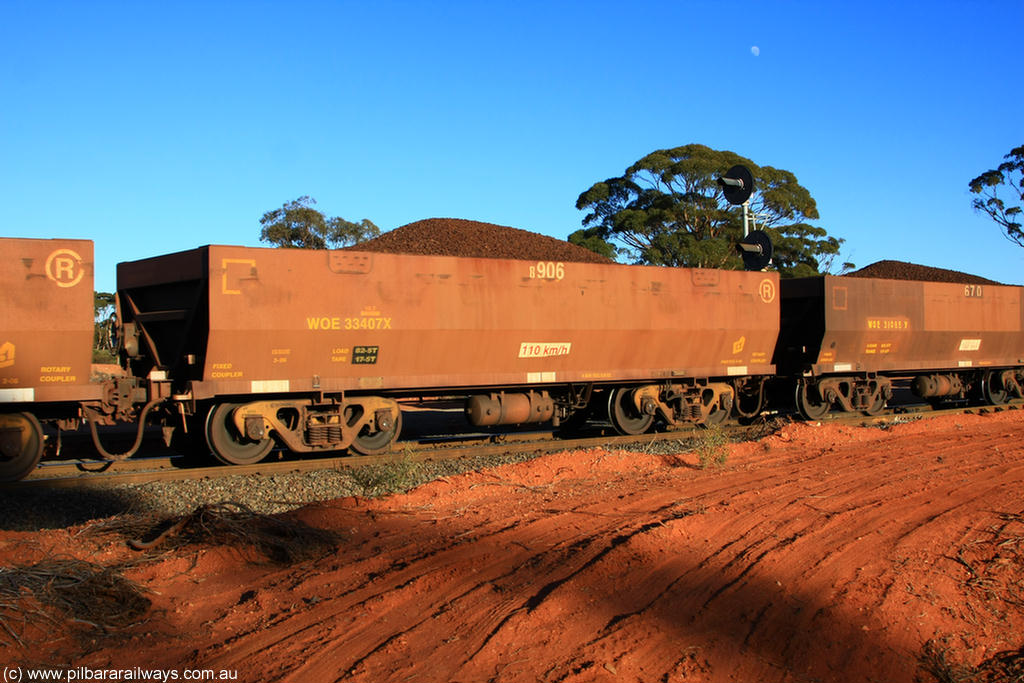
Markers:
6,355
64,267
224,371
889,324
547,270
56,374
327,323
58,379
544,349
224,263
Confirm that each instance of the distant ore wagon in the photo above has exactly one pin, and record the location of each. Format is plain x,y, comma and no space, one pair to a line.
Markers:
848,339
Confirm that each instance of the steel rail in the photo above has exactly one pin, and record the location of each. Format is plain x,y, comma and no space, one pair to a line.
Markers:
67,475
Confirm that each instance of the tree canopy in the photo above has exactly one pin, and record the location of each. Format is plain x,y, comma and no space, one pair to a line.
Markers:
298,225
668,209
988,184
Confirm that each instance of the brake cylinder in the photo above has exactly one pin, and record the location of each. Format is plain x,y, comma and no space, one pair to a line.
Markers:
929,386
509,409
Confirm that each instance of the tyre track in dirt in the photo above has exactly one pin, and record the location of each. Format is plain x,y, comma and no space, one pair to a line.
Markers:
436,565
917,512
820,553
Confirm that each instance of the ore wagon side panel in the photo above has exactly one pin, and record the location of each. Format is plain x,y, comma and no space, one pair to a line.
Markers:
869,324
874,325
46,319
976,325
285,320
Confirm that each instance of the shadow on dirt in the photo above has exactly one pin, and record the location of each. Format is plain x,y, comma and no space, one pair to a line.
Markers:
38,507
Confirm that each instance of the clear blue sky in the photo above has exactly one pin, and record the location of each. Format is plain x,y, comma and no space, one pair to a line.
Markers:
157,127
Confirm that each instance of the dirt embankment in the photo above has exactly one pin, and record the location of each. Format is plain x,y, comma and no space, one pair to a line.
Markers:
821,553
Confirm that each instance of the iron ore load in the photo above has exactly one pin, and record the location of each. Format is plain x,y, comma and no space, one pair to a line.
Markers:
246,349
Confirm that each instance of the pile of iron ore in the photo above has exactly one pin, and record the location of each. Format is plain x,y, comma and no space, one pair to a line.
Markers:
900,270
460,237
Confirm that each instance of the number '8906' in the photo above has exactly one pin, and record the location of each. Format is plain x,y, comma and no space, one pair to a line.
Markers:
547,270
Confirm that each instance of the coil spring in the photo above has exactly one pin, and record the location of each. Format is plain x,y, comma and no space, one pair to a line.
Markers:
320,435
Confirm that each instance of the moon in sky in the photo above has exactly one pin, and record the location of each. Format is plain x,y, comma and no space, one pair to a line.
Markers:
755,50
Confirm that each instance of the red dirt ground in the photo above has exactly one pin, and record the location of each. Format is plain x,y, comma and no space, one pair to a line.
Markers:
821,553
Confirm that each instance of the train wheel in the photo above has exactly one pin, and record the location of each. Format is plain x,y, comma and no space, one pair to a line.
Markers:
877,407
717,416
624,416
378,442
993,391
810,404
228,445
21,445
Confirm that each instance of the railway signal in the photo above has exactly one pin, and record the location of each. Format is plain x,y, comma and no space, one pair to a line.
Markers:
756,246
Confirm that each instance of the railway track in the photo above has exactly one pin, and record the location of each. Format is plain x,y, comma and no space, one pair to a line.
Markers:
91,473
169,468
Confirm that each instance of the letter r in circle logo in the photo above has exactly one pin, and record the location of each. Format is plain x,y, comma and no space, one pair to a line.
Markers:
64,267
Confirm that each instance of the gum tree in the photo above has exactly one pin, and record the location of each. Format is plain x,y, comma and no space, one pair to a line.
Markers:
1008,178
298,225
668,209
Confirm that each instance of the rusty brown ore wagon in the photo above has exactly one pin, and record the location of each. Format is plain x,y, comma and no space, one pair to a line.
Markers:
846,340
46,333
314,349
317,350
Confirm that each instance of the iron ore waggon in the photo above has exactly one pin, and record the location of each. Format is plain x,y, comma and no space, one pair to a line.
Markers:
316,349
46,335
247,349
844,341
46,331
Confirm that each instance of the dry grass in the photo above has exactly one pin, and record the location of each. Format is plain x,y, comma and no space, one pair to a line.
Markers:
280,540
995,562
1004,667
994,574
393,476
712,447
95,598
